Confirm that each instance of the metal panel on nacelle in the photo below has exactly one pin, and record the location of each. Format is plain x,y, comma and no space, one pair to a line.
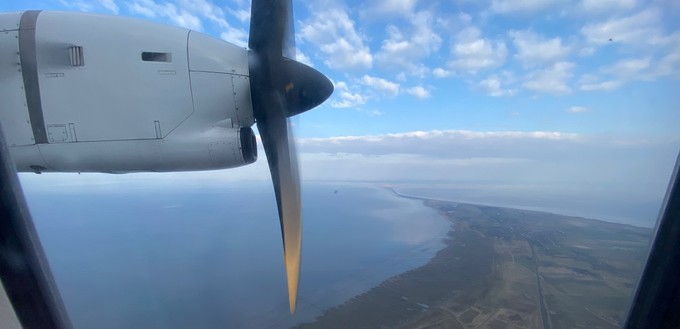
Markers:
214,55
243,102
215,91
13,111
208,55
9,21
28,158
115,95
213,149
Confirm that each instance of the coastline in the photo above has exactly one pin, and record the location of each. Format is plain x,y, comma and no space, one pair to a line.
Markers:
496,271
400,298
417,229
603,219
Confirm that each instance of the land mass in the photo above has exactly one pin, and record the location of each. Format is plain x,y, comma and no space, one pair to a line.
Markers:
508,268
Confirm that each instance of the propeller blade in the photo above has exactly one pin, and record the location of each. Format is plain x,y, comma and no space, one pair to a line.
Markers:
280,87
282,161
272,27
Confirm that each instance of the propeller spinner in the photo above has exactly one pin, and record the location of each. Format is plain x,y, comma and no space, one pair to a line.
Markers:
280,88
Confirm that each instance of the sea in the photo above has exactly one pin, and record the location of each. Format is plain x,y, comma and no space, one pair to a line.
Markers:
211,257
611,204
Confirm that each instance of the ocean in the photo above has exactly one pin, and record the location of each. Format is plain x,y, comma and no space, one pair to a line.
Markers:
130,256
617,205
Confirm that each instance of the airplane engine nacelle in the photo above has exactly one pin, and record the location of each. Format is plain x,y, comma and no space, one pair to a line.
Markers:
216,148
93,93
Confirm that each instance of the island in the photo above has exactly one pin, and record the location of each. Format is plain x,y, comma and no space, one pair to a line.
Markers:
508,268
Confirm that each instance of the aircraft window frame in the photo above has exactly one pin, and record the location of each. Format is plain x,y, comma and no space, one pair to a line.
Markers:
24,271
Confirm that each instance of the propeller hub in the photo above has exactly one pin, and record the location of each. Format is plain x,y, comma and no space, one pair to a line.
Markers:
305,88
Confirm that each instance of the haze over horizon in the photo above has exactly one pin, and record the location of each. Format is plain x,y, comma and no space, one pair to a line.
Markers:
571,98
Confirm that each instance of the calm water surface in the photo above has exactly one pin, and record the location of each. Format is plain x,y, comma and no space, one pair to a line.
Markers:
134,257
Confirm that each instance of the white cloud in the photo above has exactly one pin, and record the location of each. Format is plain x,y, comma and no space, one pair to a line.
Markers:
380,84
235,36
302,58
177,16
607,5
110,5
371,112
550,80
442,73
332,31
601,86
446,134
669,64
205,9
473,53
243,15
577,109
640,28
533,49
510,6
552,158
587,51
347,97
406,50
419,92
401,7
215,14
492,86
629,68
620,73
138,7
81,5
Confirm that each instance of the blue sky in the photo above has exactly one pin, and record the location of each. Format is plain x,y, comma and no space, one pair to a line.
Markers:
576,96
492,65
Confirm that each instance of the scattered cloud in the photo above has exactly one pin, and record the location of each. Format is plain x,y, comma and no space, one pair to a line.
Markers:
492,86
620,73
669,64
608,6
577,109
640,28
629,68
215,15
303,58
533,49
404,50
551,80
392,7
343,97
333,32
110,5
513,6
177,16
419,92
380,84
601,86
473,53
243,15
235,36
448,134
371,112
442,73
81,5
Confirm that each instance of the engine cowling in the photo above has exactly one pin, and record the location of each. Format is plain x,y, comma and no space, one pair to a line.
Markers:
116,94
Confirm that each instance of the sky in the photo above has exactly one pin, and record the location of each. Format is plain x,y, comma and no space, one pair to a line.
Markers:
575,95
